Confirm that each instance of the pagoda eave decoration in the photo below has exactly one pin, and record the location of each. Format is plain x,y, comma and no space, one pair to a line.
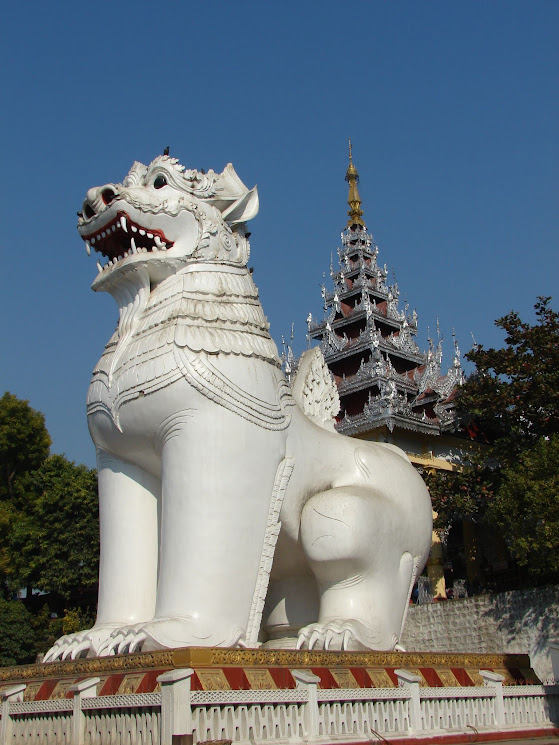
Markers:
362,423
348,347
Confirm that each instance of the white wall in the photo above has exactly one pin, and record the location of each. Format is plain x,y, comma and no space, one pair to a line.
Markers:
521,621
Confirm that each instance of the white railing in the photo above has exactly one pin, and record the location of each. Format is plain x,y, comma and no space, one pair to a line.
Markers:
457,708
529,705
304,714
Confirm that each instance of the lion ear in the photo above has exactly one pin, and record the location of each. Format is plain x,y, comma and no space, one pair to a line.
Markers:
243,209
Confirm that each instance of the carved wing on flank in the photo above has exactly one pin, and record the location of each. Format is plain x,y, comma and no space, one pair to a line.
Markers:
315,391
283,475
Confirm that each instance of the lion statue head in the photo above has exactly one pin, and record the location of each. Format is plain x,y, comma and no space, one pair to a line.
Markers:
164,216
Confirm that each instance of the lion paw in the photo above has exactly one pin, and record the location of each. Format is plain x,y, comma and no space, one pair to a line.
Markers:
166,633
125,639
81,644
339,634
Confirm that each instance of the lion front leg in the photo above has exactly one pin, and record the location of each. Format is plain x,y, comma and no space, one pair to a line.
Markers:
128,519
217,482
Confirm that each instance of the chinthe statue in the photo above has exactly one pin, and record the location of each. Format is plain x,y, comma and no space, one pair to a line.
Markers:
231,512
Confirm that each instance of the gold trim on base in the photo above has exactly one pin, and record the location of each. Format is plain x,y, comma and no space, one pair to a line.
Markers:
200,657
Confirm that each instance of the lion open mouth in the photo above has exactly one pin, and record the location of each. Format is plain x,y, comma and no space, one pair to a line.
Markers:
122,237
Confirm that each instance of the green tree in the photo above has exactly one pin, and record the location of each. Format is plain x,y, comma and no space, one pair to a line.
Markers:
54,543
526,507
47,628
17,637
24,445
7,517
49,536
512,399
24,441
461,494
511,406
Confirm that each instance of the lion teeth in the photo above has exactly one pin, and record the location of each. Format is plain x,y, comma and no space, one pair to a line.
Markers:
123,222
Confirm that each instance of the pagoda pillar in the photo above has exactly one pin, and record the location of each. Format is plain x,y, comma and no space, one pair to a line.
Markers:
435,566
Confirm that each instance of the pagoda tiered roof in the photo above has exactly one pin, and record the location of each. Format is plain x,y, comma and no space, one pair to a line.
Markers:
369,343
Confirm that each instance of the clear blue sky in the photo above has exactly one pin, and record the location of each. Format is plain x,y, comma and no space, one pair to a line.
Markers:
452,108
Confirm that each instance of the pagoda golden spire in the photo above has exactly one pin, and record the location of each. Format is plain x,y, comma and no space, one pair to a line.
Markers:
354,200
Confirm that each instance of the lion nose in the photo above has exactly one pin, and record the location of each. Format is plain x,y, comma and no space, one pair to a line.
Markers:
98,198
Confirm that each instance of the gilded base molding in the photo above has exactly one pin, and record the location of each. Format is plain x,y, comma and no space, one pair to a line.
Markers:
201,657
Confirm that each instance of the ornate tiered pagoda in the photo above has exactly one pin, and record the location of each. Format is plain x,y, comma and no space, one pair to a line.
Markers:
389,389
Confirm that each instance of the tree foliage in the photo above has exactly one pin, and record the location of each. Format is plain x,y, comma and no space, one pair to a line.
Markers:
17,636
511,406
513,397
49,536
526,507
461,494
24,441
54,543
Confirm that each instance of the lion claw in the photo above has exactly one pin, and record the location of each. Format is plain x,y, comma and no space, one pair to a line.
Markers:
339,634
81,644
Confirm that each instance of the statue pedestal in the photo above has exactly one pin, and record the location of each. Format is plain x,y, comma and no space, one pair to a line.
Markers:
202,695
216,668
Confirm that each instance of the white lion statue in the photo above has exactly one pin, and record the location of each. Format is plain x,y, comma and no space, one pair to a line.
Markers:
231,513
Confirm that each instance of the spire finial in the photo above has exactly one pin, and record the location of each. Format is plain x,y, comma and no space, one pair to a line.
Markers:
354,200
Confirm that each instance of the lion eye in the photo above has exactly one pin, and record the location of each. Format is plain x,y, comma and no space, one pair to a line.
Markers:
160,182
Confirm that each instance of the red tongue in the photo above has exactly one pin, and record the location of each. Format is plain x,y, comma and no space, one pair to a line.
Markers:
117,241
113,245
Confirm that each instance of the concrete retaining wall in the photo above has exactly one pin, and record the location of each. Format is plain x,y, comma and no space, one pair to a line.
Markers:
517,621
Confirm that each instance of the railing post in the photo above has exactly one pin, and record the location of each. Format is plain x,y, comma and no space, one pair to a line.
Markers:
306,679
491,679
14,693
84,689
176,711
406,679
